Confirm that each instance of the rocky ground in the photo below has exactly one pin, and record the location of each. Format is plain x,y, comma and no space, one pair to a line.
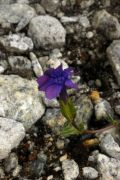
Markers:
36,35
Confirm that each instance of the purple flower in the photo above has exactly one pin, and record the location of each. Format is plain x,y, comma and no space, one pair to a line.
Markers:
55,82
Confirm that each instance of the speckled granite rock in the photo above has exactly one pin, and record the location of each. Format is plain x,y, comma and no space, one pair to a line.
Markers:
19,14
46,32
109,146
54,119
107,24
90,173
84,111
20,100
20,65
113,53
50,5
70,169
11,133
17,43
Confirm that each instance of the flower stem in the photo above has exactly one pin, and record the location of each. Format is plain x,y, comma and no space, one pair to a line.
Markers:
100,130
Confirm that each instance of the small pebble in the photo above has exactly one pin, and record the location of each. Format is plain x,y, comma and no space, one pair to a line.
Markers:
63,158
117,109
2,69
89,35
16,171
98,83
60,144
57,169
90,173
50,177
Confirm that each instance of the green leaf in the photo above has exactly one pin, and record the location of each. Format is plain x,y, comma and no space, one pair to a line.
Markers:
69,130
111,120
68,110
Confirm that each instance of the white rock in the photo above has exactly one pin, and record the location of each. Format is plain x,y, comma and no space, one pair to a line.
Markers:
113,53
16,43
36,65
86,3
108,168
11,133
2,69
2,174
11,162
50,177
70,169
66,19
50,5
54,63
16,13
83,20
90,173
14,1
20,100
46,32
109,146
20,65
16,171
50,103
89,34
107,24
102,109
117,109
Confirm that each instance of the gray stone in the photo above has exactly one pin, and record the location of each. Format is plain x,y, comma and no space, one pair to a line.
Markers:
20,65
70,169
93,156
55,62
89,34
23,1
60,143
109,168
90,173
46,32
106,3
71,19
19,14
11,133
39,9
2,69
43,61
53,103
36,65
103,109
84,21
54,119
16,171
4,64
14,1
2,174
84,111
50,5
11,162
117,109
37,166
98,83
55,54
20,100
109,146
107,24
16,43
86,3
113,53
6,1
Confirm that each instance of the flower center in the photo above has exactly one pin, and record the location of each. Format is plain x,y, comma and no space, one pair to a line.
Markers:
60,79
